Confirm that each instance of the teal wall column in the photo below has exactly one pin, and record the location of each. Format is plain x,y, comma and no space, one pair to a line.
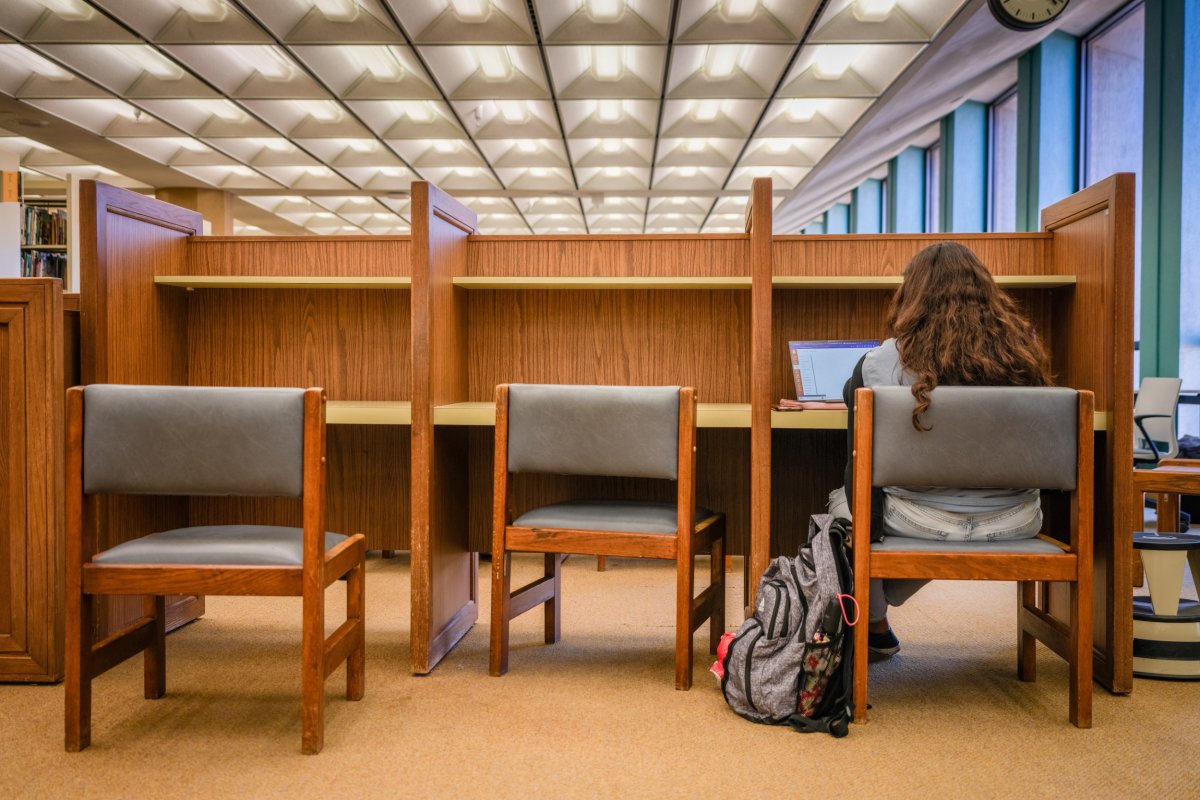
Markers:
906,192
1047,126
817,226
1169,151
964,169
837,218
866,207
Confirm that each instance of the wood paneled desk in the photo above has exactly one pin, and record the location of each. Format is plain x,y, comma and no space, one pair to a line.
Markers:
410,335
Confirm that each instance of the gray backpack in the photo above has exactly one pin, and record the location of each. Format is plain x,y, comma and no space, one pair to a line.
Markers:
792,663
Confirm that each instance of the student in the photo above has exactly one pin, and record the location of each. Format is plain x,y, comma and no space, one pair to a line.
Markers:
949,324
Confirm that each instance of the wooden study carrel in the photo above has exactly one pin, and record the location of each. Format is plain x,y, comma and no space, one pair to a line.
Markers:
410,334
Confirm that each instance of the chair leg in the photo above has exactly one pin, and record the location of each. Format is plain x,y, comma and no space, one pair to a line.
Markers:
501,596
716,623
1026,642
862,589
78,679
685,579
553,608
356,598
154,658
312,673
601,563
1080,643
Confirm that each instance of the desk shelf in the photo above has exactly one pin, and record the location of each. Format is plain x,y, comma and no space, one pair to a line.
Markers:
600,282
368,412
191,282
892,281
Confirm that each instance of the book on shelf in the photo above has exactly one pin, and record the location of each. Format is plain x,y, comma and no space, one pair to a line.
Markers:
43,264
809,405
44,226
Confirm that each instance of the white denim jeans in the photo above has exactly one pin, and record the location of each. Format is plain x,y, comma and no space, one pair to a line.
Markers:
903,517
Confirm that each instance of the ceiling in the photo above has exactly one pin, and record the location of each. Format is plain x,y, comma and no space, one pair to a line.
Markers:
544,116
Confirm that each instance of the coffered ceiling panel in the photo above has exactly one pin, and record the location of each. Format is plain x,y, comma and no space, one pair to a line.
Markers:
544,115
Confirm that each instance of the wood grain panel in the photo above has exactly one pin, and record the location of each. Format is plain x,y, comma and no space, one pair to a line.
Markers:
354,344
707,255
445,600
722,484
317,256
888,254
759,227
1094,238
133,332
31,478
806,466
625,337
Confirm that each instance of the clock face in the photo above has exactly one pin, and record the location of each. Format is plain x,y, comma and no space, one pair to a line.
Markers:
1024,15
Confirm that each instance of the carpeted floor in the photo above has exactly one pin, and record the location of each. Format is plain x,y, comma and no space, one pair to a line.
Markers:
596,715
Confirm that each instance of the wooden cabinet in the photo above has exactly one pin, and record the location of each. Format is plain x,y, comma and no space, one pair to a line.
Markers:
31,478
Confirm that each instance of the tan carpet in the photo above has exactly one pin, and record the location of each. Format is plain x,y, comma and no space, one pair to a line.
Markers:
595,715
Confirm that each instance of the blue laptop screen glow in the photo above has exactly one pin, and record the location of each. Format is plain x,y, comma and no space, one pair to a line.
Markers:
821,369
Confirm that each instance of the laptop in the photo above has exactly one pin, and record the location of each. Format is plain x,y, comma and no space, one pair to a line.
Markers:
821,369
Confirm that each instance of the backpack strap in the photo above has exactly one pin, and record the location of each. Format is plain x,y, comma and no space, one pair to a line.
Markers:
836,725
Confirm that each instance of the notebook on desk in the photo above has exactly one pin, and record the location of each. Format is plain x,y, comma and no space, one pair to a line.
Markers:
821,369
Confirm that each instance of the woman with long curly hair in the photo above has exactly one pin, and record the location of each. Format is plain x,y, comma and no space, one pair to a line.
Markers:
949,325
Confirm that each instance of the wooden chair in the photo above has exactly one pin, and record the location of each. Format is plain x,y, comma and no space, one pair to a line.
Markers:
635,432
984,437
181,440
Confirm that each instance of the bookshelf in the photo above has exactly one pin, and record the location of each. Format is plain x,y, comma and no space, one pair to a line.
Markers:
44,225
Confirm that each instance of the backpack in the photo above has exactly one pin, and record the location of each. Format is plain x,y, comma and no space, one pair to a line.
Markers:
792,661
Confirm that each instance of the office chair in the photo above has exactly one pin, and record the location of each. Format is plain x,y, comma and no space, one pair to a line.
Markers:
1154,414
622,431
186,440
984,437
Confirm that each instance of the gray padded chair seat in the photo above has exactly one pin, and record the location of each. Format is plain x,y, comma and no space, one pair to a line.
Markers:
241,545
607,515
892,544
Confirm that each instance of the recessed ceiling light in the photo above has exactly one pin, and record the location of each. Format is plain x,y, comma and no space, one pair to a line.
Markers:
494,63
830,62
609,110
265,60
707,110
445,146
611,145
471,10
738,10
379,61
695,145
608,62
149,60
604,10
205,10
527,146
802,109
873,10
24,58
721,60
321,110
688,172
612,172
513,111
338,10
74,10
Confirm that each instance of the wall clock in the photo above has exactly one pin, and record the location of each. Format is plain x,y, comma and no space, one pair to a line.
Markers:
1025,15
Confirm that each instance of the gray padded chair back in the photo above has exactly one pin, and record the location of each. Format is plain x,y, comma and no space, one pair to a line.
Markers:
981,437
193,440
1157,396
626,431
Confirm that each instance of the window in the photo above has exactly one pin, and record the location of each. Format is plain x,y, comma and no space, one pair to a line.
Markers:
1113,71
933,188
1002,163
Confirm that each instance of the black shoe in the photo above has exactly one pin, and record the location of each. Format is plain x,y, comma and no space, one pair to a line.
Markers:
883,644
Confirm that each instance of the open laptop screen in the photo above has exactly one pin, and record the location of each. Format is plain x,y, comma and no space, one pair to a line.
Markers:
821,369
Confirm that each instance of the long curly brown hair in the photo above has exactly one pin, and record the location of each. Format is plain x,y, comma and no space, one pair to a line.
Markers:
954,326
